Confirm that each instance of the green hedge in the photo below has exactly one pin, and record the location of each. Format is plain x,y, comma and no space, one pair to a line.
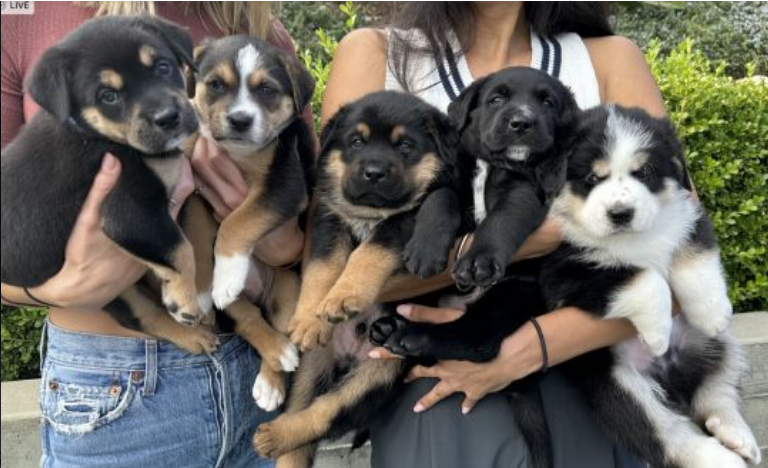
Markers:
735,33
20,338
724,125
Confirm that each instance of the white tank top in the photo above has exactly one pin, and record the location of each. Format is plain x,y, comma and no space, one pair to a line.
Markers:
564,56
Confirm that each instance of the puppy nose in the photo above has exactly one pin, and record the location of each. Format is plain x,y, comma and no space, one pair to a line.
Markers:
520,123
621,215
374,173
240,121
167,119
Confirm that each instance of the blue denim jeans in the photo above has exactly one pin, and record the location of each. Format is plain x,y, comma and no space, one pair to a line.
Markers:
123,402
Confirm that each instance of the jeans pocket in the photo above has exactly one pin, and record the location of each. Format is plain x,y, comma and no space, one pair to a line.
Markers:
77,401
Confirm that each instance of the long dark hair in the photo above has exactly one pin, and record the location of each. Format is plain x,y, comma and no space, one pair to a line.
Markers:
434,21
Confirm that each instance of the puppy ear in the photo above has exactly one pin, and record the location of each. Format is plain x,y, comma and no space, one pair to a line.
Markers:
177,37
459,111
666,129
328,134
190,73
445,136
301,81
49,83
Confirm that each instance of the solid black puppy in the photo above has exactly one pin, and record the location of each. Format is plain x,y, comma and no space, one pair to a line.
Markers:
115,85
518,123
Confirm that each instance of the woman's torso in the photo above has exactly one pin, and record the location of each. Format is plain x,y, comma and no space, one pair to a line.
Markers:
564,56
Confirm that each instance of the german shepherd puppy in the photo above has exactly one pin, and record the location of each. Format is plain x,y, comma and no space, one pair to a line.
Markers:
114,85
383,156
249,97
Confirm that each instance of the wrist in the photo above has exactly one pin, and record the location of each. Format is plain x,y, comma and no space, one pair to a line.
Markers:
524,352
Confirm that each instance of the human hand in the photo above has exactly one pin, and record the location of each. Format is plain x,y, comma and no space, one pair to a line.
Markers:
217,178
519,356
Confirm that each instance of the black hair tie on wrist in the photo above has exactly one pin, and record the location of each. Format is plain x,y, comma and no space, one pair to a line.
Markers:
33,298
543,342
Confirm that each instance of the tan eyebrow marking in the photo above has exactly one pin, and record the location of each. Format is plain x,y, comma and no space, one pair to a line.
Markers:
601,168
260,77
397,133
226,74
112,79
147,55
364,130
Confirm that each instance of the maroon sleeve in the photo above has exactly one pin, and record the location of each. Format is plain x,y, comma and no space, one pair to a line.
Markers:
282,40
12,103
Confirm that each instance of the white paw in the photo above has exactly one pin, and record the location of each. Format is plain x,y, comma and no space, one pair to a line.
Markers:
267,397
289,358
658,342
712,317
710,454
229,277
737,437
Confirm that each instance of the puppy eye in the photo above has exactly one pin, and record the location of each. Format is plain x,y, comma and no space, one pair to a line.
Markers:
217,86
108,97
266,91
164,68
357,142
643,173
404,147
594,179
548,102
496,100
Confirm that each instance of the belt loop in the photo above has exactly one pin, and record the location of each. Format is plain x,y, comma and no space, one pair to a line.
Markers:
43,343
150,372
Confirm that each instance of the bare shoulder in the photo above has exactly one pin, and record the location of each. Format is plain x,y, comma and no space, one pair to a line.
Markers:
359,68
623,73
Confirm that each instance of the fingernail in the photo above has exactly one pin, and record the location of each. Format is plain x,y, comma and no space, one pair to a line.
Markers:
405,310
418,408
109,163
465,410
374,355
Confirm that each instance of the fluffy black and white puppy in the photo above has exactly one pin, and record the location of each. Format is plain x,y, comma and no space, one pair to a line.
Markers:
630,228
114,85
518,124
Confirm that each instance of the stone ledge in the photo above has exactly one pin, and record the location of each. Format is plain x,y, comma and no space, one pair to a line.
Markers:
21,414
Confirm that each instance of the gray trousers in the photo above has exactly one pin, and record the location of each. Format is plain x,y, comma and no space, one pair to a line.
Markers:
488,437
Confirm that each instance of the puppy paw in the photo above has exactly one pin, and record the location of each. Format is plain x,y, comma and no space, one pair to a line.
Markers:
708,453
736,436
401,337
478,269
271,439
283,356
712,317
229,277
658,343
269,391
425,259
339,307
182,309
309,332
198,340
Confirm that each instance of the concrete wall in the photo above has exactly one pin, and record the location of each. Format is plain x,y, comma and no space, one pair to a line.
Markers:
20,414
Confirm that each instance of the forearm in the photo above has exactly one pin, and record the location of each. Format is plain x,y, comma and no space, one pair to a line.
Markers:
568,333
17,297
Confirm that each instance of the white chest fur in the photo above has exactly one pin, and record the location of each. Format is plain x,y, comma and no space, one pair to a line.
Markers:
478,189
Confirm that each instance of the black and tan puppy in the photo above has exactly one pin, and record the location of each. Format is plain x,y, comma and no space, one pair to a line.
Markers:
115,85
382,157
518,123
249,97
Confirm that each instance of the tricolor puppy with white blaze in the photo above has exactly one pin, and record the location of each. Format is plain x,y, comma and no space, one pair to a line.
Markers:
250,97
626,212
631,232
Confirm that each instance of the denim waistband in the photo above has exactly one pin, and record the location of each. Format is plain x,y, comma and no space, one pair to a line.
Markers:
120,353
